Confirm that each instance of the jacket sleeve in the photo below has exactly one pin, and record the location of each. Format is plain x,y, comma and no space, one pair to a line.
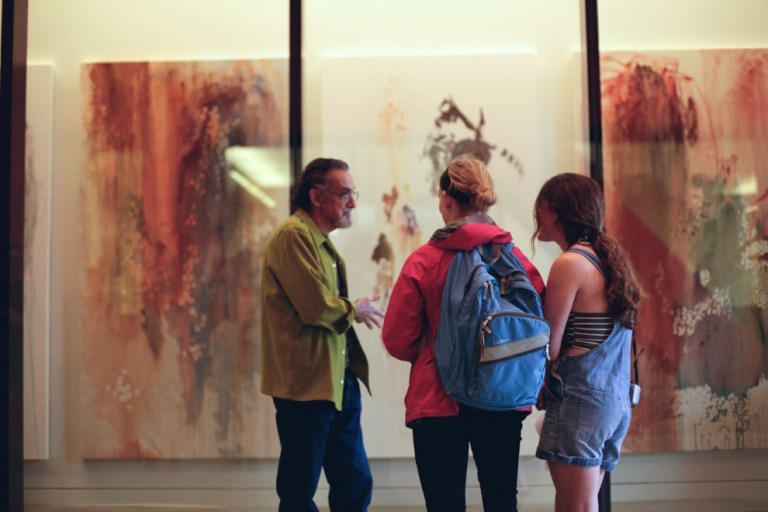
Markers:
533,273
299,270
404,322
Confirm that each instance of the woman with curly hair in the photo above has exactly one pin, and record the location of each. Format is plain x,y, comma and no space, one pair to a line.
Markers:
591,305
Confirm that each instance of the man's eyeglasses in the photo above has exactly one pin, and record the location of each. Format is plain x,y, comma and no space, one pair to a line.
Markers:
345,194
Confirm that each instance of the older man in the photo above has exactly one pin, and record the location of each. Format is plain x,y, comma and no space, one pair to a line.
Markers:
311,356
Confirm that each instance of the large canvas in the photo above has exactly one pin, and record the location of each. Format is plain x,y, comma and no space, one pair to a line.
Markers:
686,168
37,258
172,238
398,121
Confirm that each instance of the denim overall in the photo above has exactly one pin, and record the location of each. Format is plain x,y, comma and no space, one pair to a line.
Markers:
588,407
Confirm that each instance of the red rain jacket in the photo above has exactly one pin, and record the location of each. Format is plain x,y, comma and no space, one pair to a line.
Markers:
413,311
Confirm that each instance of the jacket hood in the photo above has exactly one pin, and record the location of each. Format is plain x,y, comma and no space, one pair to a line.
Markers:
468,232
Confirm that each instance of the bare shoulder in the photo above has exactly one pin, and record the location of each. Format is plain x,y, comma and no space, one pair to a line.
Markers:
571,264
586,278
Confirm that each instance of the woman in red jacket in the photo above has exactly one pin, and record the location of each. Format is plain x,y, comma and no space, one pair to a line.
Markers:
443,430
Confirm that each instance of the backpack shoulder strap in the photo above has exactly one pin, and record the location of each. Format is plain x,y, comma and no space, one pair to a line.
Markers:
461,272
489,253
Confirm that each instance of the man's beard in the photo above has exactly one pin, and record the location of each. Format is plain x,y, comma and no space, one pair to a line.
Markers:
346,220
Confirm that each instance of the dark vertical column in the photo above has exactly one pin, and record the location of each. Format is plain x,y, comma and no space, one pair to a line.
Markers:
592,50
13,83
604,495
295,126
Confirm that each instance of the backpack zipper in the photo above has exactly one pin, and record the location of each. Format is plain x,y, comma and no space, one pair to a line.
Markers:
485,329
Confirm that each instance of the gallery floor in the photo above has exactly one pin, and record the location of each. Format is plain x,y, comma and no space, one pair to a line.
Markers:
646,506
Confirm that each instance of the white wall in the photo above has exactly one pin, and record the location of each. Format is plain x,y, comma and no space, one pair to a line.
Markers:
66,33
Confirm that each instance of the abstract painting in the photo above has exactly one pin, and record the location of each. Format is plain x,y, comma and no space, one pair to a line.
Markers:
686,180
37,258
398,121
172,238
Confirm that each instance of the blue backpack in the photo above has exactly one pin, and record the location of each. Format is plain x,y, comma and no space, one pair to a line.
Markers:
492,342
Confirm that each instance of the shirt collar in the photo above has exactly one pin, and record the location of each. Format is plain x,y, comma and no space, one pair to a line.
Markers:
318,236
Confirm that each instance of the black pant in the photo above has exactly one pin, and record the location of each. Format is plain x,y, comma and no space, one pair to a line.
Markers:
442,446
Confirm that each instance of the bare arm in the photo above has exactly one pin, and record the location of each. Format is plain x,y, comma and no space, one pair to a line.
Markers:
574,284
562,286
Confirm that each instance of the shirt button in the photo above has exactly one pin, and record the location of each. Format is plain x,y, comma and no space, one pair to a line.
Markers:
344,351
342,381
333,265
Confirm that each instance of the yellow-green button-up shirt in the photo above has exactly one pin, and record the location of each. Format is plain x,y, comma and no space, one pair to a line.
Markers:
306,317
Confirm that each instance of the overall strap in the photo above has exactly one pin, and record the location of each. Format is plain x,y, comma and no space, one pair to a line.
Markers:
596,262
634,359
591,257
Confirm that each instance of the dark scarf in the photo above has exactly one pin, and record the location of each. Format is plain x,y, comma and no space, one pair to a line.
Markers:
453,226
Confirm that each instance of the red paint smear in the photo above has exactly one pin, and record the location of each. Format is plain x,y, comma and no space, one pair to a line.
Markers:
647,123
647,105
112,110
662,350
747,103
649,254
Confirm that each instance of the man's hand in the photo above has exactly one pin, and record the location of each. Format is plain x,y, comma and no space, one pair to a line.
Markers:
366,312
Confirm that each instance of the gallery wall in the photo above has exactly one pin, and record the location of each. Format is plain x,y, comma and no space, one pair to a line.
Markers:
66,34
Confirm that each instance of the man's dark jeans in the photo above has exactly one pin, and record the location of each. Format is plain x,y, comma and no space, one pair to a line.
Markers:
315,436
